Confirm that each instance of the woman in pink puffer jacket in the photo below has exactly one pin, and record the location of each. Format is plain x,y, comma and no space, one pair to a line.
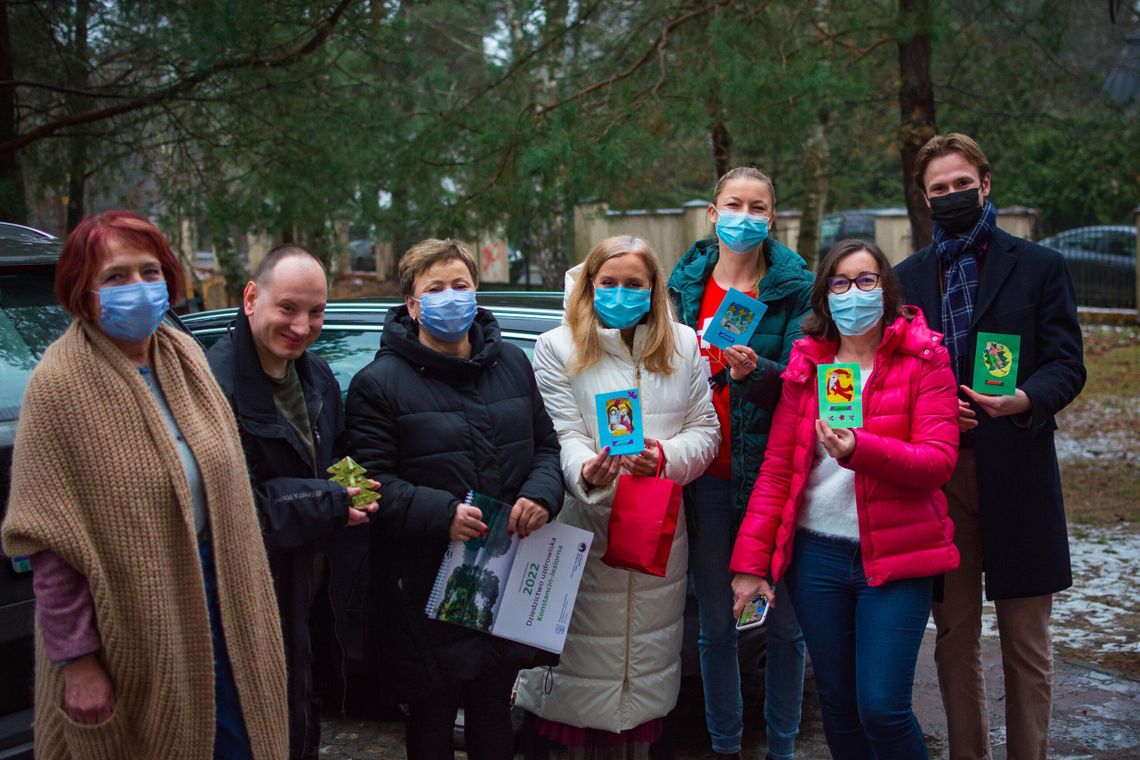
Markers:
855,519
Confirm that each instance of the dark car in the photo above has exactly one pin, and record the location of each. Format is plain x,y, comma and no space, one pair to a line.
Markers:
1102,261
30,319
843,225
349,341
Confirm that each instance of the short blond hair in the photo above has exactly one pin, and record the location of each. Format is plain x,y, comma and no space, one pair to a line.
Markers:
951,142
427,253
660,348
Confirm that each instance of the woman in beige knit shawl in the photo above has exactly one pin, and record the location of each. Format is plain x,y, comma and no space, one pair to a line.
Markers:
157,633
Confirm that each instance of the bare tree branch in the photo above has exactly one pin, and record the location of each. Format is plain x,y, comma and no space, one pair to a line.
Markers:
658,44
283,59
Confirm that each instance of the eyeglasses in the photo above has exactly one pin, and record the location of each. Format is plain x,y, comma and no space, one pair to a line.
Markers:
840,283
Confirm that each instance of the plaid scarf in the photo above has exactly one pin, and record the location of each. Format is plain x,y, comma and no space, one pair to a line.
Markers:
958,256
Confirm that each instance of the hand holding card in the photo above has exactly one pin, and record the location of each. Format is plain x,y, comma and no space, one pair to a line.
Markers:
995,364
841,395
735,320
619,422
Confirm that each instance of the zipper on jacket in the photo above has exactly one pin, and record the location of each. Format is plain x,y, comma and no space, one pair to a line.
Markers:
626,686
860,485
317,435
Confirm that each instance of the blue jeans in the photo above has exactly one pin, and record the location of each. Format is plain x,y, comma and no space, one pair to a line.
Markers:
231,740
864,644
710,550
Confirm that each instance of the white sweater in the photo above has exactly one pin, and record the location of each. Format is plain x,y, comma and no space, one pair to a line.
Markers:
829,498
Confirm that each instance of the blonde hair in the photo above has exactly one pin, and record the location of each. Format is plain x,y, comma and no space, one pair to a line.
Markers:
744,172
427,253
661,346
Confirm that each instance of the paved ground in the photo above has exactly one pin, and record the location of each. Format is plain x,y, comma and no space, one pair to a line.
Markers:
1096,715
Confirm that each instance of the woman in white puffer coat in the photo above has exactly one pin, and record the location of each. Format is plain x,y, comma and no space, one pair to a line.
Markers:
620,671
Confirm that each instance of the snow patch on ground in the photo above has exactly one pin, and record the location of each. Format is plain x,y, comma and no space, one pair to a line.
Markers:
1100,614
1101,446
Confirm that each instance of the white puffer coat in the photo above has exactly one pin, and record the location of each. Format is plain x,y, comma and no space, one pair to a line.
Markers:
621,665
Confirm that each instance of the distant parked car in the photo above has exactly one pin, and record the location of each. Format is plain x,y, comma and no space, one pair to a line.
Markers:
857,223
1102,260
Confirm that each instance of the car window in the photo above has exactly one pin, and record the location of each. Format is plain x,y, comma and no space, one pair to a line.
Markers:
1089,241
1120,243
350,349
861,226
347,352
30,319
829,228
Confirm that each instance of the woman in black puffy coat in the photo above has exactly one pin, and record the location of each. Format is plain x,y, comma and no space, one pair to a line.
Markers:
446,407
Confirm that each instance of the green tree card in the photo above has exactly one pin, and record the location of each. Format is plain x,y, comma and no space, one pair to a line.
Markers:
841,395
995,365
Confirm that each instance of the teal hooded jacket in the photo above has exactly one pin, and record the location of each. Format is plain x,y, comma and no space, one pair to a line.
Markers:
786,291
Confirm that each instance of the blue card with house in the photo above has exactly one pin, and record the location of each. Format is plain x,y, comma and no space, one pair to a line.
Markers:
619,422
735,320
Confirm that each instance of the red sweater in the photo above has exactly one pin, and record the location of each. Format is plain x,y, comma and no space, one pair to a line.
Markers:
904,453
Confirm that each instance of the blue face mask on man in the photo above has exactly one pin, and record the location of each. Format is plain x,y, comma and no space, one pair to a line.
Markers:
447,314
856,311
741,232
132,312
621,307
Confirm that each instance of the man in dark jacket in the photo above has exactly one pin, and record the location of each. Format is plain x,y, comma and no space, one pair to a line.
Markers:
288,408
1005,495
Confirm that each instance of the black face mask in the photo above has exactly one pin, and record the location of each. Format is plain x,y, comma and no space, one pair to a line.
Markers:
957,213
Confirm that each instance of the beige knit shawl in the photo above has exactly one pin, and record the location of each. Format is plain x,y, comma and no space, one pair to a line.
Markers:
97,479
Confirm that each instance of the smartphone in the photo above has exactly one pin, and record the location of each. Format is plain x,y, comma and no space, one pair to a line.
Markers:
754,614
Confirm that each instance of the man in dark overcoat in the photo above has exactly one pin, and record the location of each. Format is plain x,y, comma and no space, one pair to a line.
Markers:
1005,495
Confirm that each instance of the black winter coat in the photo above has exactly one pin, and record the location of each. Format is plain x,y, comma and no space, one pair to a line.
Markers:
298,507
1025,290
430,427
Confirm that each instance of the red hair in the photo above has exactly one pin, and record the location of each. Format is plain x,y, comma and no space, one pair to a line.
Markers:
87,248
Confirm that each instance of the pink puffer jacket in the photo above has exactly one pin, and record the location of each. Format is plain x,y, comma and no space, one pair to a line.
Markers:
904,453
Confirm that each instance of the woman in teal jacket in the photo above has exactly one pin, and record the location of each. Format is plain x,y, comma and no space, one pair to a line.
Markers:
746,386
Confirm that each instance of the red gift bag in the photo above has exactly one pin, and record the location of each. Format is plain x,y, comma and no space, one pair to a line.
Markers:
643,521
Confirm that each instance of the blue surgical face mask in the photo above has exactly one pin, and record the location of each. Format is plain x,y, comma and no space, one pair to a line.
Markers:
620,307
132,312
447,314
741,232
856,311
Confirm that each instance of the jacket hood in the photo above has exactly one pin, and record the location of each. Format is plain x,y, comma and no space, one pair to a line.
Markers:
906,336
787,274
568,282
401,337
